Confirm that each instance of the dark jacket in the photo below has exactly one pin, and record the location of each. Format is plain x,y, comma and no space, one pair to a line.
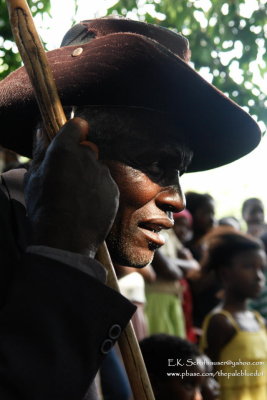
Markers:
56,323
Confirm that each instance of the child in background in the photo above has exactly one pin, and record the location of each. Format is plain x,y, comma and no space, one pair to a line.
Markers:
253,215
165,295
183,231
167,358
202,208
231,221
232,333
260,303
161,354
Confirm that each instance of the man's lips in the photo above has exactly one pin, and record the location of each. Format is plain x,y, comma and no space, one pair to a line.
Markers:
152,227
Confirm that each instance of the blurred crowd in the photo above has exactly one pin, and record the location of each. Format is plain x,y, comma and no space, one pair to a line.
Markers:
205,289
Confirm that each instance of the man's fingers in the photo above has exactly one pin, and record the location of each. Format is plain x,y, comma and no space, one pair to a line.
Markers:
76,130
92,146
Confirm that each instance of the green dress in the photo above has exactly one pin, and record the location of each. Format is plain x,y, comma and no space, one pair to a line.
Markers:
164,308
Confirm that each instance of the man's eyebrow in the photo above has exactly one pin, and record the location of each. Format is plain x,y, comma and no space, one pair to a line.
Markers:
179,156
139,157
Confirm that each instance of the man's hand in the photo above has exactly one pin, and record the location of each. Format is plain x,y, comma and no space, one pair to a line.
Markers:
71,198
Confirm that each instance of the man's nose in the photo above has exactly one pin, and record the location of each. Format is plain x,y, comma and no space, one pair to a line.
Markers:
171,199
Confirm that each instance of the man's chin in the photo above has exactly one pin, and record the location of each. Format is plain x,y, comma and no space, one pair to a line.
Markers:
134,259
128,250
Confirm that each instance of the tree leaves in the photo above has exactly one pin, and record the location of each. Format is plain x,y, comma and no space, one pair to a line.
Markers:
225,37
9,57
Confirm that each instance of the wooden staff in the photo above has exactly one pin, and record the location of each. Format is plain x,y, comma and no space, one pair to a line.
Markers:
40,74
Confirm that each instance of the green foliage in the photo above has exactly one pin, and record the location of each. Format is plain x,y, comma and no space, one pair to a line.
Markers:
9,57
223,38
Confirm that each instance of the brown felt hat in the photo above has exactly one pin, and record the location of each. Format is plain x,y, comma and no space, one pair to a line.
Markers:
124,63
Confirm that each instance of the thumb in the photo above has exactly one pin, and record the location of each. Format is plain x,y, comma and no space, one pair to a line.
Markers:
75,130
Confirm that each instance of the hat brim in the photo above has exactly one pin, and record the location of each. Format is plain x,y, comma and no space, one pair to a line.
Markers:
130,70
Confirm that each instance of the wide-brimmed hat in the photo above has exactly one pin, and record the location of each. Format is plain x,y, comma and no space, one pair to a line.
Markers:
124,63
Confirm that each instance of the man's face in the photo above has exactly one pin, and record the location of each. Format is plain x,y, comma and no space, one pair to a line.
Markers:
150,191
254,214
246,275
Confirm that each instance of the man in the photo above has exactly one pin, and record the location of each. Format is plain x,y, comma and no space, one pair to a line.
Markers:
148,111
253,215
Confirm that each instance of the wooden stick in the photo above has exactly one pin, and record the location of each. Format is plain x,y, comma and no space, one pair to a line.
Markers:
128,343
40,74
37,67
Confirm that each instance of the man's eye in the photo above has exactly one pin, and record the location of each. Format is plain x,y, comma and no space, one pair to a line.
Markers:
156,170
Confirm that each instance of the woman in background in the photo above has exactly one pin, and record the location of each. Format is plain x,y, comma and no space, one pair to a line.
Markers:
232,334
